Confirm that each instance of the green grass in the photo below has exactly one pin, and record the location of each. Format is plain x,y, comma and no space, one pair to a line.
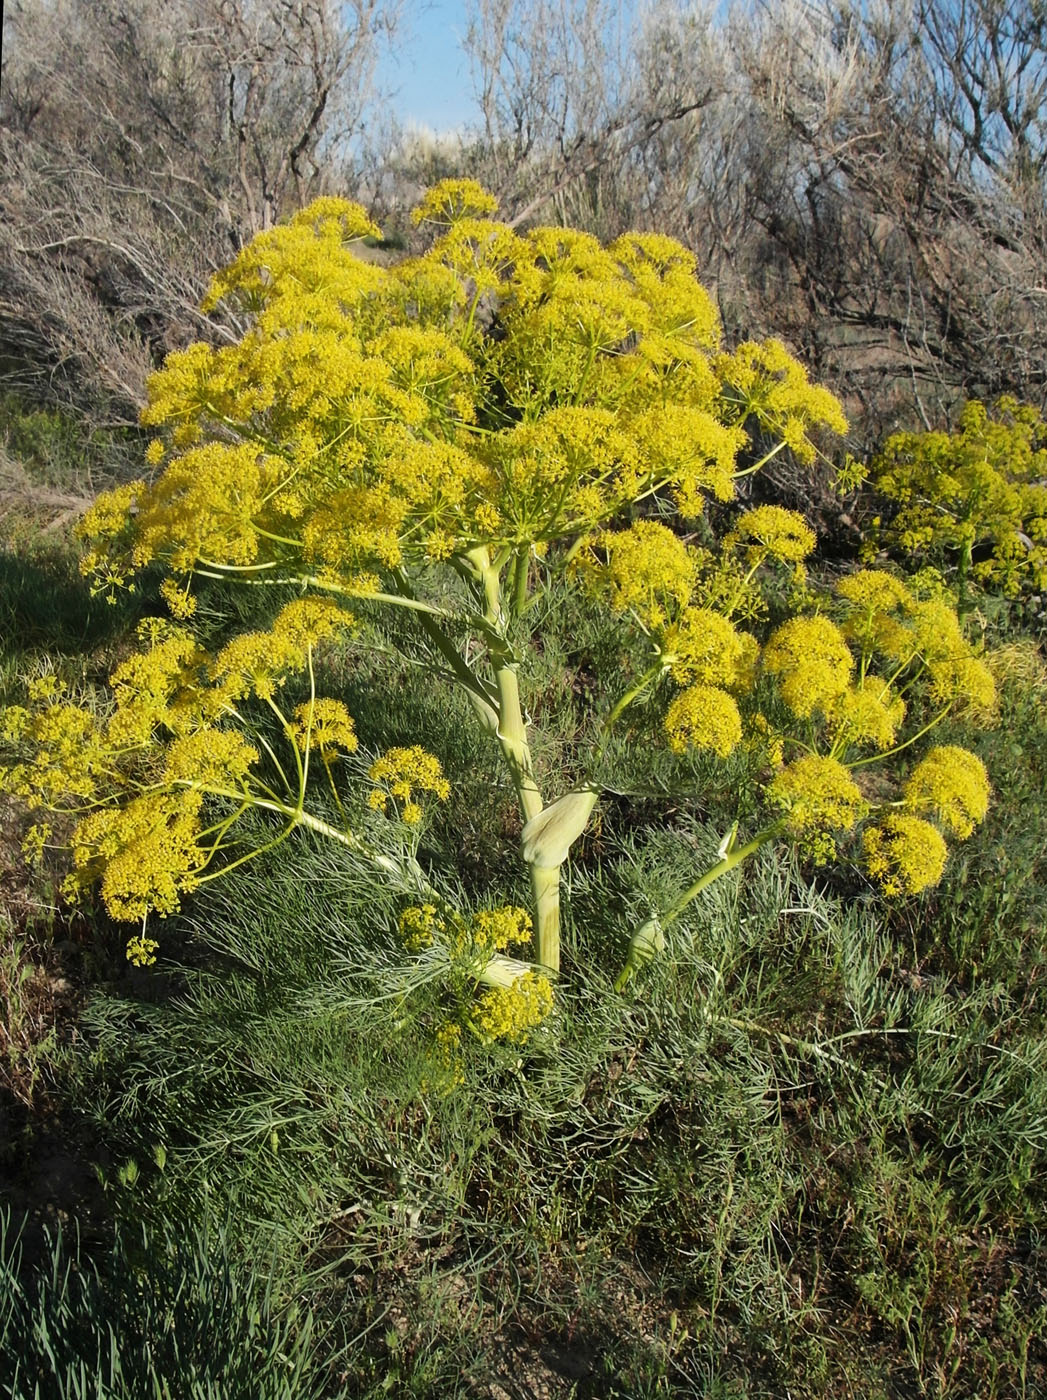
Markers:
166,1316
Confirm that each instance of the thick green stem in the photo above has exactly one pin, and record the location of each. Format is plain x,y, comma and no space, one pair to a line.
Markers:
545,880
545,885
520,569
512,738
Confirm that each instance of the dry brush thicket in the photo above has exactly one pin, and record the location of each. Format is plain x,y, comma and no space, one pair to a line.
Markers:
866,181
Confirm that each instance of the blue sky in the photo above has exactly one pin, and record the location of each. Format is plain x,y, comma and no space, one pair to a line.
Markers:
429,68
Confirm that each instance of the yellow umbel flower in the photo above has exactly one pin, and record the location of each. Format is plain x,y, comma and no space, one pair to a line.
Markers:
646,570
704,646
704,718
771,532
868,713
812,662
257,663
141,951
951,785
146,855
904,854
965,683
511,1013
452,200
326,727
494,930
817,793
874,590
419,924
211,758
399,773
773,388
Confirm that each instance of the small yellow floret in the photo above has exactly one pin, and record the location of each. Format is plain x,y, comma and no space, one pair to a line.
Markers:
875,590
646,570
141,951
419,925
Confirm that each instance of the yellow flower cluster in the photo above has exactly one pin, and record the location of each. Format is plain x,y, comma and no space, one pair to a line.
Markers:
770,531
951,785
141,951
645,570
495,930
138,769
511,1013
817,793
370,417
904,854
885,619
307,252
867,713
419,924
66,757
452,200
326,727
812,662
143,856
399,774
258,663
704,718
704,646
210,758
980,486
775,390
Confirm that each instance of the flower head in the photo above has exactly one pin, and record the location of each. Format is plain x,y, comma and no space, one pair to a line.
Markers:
401,772
904,854
703,646
326,726
812,662
771,532
817,793
705,718
511,1013
951,785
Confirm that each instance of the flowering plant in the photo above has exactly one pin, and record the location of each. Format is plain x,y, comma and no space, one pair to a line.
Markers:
450,437
974,500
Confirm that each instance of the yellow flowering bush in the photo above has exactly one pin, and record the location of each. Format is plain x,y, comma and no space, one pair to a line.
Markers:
452,437
973,500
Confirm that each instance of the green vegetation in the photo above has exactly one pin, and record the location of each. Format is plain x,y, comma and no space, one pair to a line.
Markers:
798,1152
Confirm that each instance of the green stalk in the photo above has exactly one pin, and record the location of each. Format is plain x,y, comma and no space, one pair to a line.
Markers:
633,693
523,559
648,939
512,739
